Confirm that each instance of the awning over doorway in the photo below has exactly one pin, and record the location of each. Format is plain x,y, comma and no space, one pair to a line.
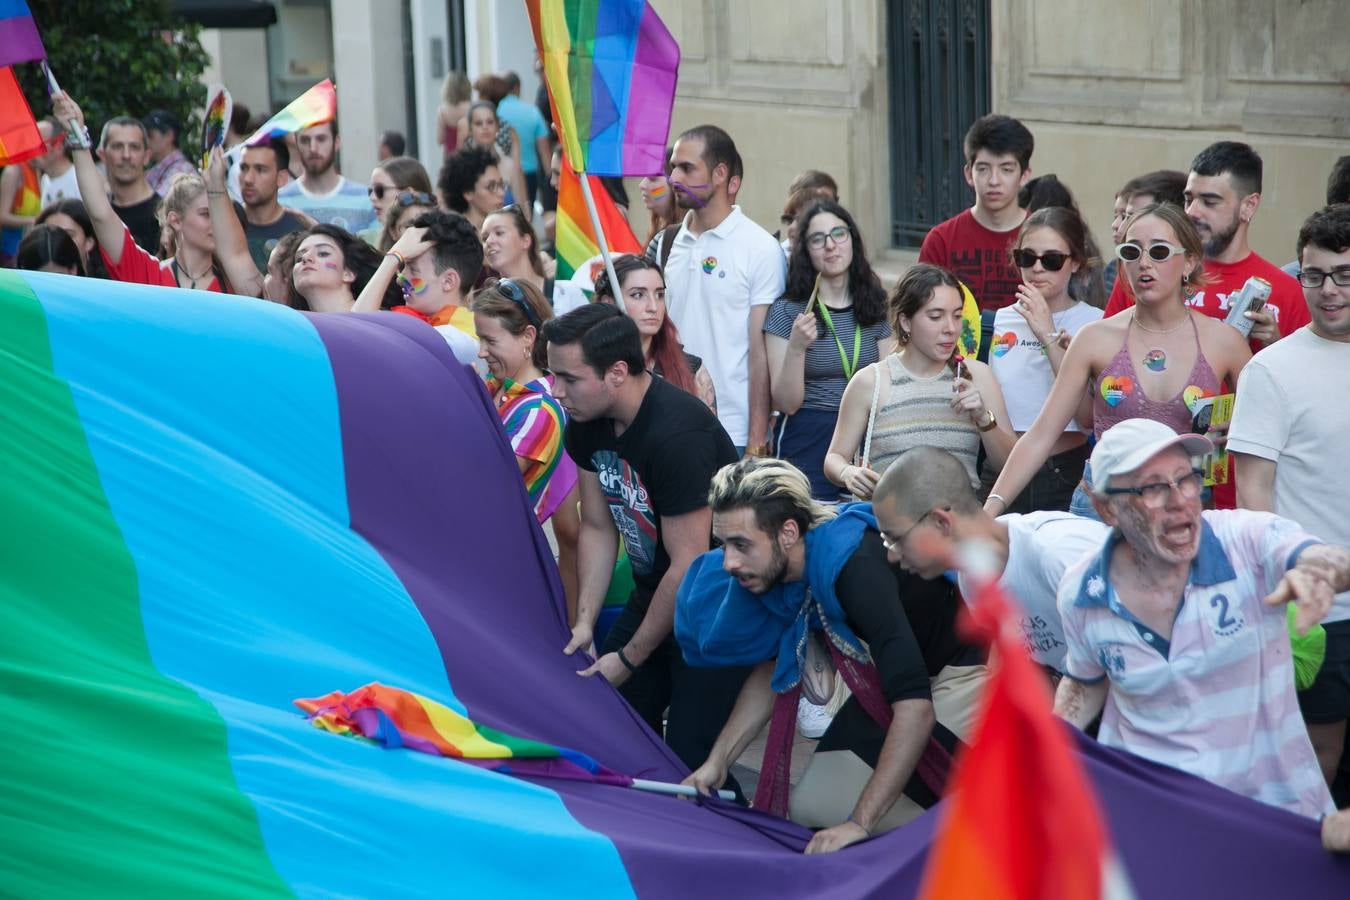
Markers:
227,13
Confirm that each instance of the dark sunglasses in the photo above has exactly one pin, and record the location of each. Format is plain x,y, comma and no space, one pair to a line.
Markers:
1050,260
517,296
414,198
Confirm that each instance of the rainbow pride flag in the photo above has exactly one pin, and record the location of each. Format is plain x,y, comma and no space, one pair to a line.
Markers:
395,718
610,67
1023,822
19,38
214,505
576,239
19,136
314,107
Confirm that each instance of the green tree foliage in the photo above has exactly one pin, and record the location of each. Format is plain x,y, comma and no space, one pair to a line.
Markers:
119,57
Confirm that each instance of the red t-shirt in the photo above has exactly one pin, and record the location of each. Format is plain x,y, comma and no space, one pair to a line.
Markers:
139,267
1286,296
977,256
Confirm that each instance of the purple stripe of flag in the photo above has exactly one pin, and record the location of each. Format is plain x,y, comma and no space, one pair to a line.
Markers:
651,98
19,38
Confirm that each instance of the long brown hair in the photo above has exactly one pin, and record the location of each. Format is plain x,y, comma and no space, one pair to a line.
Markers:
516,312
667,351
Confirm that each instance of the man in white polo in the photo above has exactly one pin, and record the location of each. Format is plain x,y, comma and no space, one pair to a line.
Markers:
723,273
1176,630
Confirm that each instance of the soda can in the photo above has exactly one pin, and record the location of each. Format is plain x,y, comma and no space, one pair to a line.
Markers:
1252,297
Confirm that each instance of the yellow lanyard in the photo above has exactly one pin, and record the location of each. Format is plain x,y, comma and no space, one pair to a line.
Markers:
849,366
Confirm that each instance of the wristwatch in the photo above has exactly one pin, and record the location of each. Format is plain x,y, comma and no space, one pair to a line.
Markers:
991,424
759,450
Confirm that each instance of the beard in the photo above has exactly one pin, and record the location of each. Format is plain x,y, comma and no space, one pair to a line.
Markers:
1218,241
772,576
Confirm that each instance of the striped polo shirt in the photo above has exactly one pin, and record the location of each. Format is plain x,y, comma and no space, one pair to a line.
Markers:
1217,699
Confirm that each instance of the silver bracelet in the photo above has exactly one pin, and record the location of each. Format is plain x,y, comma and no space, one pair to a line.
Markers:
998,497
77,136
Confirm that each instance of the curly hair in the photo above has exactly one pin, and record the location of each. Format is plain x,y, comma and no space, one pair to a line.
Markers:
460,175
864,287
455,245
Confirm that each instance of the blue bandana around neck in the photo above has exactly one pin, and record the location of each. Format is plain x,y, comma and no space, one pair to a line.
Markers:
720,623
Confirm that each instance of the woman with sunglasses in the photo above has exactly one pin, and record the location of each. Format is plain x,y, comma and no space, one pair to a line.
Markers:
643,289
508,316
829,323
1030,337
511,249
921,395
395,175
1154,361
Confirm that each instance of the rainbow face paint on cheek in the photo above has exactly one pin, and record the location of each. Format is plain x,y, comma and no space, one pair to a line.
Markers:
659,190
417,286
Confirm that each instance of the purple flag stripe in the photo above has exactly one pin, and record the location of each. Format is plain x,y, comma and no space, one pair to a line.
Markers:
19,40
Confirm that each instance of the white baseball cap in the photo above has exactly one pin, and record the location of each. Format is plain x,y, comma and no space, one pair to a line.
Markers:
1129,444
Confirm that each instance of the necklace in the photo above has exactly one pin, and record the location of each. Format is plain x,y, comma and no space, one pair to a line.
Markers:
1142,327
190,277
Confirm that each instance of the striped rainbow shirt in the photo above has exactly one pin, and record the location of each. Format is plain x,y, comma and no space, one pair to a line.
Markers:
534,425
1217,699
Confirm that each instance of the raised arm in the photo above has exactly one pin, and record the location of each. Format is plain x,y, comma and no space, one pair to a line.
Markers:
1033,448
231,244
108,228
409,246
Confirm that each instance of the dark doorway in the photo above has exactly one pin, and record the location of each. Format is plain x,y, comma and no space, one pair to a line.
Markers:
939,82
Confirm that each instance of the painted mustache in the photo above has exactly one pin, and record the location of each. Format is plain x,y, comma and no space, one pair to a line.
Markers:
688,192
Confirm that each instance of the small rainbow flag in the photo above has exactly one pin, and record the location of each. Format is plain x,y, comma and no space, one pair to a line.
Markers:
396,718
219,108
19,135
19,38
576,238
1022,821
314,107
610,67
969,343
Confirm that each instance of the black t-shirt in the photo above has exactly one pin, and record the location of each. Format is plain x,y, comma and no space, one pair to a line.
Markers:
142,221
909,625
661,465
262,239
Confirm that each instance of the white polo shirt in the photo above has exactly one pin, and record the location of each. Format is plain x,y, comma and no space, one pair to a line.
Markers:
1041,548
712,280
1217,700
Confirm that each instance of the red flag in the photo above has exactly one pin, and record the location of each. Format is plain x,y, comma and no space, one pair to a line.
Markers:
1022,821
19,135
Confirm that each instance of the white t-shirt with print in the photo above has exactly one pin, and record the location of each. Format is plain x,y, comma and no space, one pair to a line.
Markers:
712,280
1021,366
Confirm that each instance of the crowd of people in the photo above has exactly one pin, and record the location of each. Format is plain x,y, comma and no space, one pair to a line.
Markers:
786,456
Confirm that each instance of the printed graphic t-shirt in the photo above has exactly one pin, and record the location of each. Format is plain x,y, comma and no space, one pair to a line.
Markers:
977,256
661,465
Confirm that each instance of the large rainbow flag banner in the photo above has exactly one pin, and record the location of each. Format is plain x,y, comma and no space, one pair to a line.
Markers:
214,505
610,67
19,38
576,239
314,107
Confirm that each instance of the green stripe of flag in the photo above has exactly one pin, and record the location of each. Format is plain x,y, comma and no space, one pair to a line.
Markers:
116,779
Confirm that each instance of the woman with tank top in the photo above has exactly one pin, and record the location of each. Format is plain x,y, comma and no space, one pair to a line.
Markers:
1030,337
1152,361
922,395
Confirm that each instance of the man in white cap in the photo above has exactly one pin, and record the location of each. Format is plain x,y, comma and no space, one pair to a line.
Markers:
1176,630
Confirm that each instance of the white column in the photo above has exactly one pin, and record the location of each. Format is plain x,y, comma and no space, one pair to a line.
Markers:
368,70
431,63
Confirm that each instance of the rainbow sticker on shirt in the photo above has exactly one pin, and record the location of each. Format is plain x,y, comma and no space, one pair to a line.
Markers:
1193,394
709,263
1115,388
1003,343
1155,360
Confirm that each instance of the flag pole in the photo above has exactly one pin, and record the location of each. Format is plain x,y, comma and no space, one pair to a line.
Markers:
676,790
600,238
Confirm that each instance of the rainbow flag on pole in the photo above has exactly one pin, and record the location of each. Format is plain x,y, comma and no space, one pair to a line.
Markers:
1023,822
611,67
576,238
314,107
19,135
